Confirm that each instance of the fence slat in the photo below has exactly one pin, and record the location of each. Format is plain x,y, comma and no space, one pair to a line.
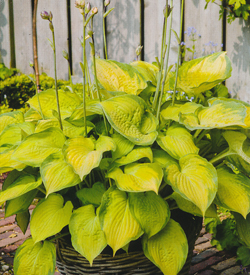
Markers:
153,18
123,30
22,11
207,24
4,33
45,53
77,33
237,45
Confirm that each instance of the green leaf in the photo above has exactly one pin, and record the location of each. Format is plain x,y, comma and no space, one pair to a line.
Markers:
57,174
10,118
162,158
23,220
150,211
35,148
49,217
243,228
35,258
195,179
127,115
117,221
116,76
177,142
168,249
91,195
20,186
86,234
85,154
138,177
233,191
107,13
123,146
243,255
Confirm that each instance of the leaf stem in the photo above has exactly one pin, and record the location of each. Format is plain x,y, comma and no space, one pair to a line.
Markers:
104,33
83,74
59,236
222,155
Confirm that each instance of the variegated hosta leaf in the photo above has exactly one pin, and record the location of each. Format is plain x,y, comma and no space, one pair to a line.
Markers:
49,217
172,112
195,179
204,73
150,210
219,114
7,163
10,118
123,146
35,148
57,174
162,158
126,114
69,129
188,206
83,154
136,154
168,249
147,70
87,236
35,258
68,102
138,177
20,186
116,76
243,228
14,133
177,142
233,191
117,222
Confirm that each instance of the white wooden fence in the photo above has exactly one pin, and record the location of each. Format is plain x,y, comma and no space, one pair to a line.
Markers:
132,23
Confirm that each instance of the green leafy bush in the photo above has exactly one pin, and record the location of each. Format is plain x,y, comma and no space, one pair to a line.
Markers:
6,72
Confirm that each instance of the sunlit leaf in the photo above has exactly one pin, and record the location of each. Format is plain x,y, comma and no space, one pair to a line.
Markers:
49,217
86,234
138,177
126,114
195,179
10,118
35,148
35,258
233,191
162,158
117,221
150,210
123,146
168,249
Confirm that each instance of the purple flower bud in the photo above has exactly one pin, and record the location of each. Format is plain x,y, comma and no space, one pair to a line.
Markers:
106,3
87,8
45,15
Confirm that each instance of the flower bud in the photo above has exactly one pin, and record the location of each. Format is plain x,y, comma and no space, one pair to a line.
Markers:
169,10
106,3
87,8
31,64
94,10
50,16
51,26
65,55
138,50
45,15
80,4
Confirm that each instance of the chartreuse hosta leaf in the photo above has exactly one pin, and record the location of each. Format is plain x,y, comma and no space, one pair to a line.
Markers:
35,148
85,154
68,102
172,112
162,158
49,217
195,179
87,237
233,191
127,115
116,76
57,174
91,195
116,219
138,177
202,74
219,114
188,206
150,210
20,186
243,228
168,249
35,258
123,146
10,118
177,142
148,70
32,115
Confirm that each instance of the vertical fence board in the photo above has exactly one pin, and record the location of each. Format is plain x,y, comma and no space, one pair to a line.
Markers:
45,52
153,18
22,11
77,33
4,33
207,24
237,46
123,30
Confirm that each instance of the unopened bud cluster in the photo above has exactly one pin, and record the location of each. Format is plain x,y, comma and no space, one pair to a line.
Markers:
48,16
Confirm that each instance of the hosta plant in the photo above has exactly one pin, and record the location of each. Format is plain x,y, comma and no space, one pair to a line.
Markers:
110,167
